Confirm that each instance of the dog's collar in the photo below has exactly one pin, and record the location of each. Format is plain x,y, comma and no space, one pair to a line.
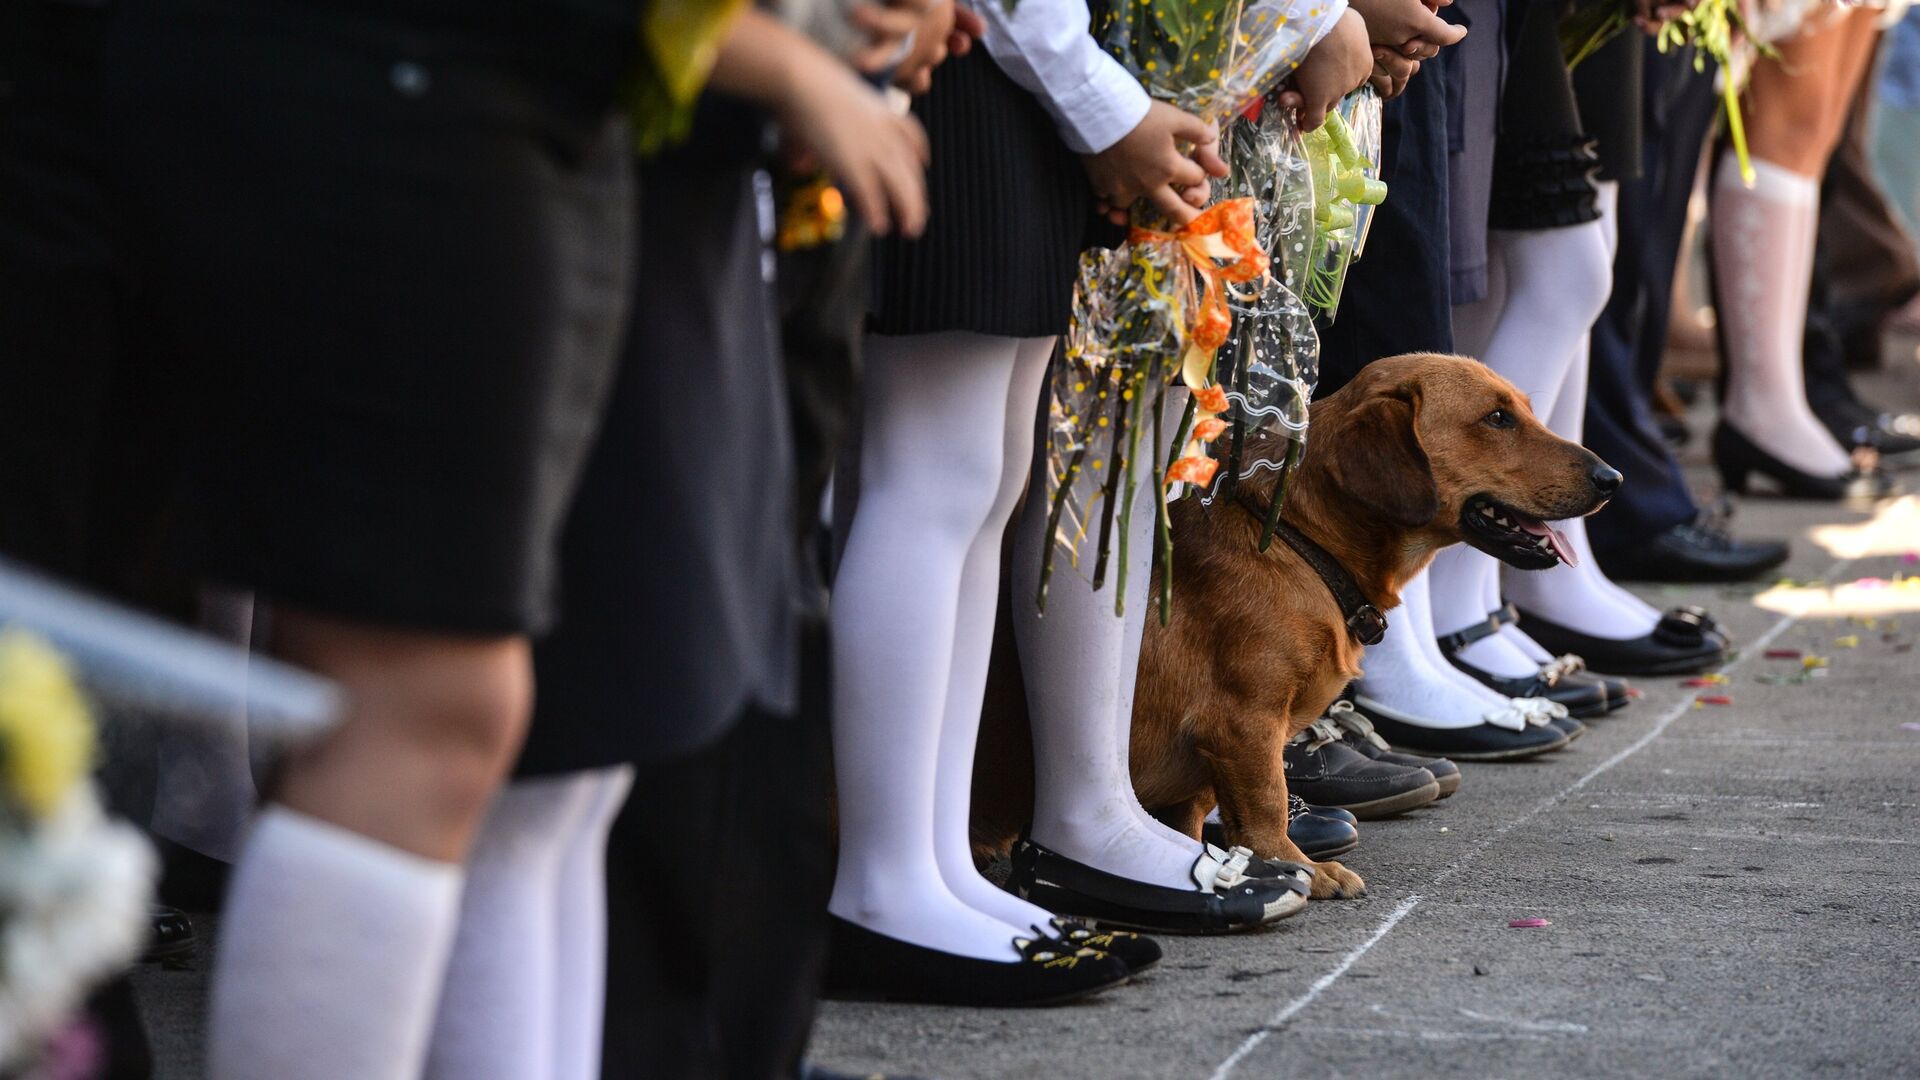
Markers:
1365,623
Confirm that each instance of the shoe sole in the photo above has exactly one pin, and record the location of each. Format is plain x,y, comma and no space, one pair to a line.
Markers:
1515,754
1036,1003
1332,852
1392,804
1448,785
1284,908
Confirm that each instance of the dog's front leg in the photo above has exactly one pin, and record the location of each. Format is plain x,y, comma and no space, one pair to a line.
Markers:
1250,778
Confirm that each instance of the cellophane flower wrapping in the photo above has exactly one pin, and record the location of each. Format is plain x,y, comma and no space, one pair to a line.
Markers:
1344,155
1135,308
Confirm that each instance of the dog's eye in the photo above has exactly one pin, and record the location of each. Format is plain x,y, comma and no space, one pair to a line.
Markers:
1498,418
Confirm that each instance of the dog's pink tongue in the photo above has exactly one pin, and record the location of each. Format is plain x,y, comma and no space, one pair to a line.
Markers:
1554,536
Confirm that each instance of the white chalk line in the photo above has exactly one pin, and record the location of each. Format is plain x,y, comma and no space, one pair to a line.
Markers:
1405,907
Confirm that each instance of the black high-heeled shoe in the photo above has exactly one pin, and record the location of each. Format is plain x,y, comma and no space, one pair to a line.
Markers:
1738,457
863,965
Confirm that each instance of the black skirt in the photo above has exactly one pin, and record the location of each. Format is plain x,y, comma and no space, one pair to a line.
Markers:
1010,210
1543,161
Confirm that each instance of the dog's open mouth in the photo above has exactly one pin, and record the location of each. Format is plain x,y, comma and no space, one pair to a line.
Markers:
1513,537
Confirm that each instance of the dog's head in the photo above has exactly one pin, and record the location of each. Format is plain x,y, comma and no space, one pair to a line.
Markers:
1443,445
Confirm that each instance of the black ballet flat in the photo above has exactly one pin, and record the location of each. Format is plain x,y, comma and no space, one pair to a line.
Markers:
1738,457
1227,900
1686,641
866,966
1582,698
1138,953
1570,667
1481,742
1568,726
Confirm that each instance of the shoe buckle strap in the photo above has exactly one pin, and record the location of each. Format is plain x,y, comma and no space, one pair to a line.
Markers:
1562,666
1217,869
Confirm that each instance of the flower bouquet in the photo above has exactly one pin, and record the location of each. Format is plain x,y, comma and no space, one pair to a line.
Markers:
73,885
1713,28
1204,301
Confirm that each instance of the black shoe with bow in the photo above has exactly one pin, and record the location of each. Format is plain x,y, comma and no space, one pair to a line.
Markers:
1322,768
866,966
1358,733
1526,731
1685,641
1226,898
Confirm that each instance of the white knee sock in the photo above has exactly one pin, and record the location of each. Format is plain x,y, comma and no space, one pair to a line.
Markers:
1763,249
930,472
1406,673
1080,661
332,953
972,649
580,943
497,1014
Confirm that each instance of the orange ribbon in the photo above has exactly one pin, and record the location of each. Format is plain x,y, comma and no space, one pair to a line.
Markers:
1219,247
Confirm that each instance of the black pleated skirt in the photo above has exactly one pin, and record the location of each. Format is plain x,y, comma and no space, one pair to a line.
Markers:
1010,210
1543,161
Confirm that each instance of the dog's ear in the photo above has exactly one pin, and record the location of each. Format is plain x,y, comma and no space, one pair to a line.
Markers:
1381,463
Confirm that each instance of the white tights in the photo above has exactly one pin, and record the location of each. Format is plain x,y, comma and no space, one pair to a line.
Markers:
1080,661
1546,287
946,437
527,979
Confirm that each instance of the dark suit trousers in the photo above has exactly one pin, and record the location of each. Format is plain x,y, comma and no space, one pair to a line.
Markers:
1630,337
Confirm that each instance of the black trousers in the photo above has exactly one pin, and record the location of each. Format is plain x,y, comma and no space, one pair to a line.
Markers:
1629,339
718,872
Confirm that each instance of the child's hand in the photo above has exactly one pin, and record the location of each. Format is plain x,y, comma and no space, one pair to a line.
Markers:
1408,27
888,24
1391,73
1148,163
1336,67
878,157
932,43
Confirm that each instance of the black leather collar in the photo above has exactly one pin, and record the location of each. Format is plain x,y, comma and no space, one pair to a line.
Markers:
1365,623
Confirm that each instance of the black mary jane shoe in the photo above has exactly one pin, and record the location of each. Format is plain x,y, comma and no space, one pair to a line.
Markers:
1581,698
1684,642
1226,900
173,939
1570,667
1137,952
1568,726
1323,769
1320,832
1357,732
863,965
1481,742
1738,457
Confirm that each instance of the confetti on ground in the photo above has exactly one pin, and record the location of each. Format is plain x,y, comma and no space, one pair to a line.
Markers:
1910,726
1850,641
1812,662
1713,699
1635,693
1715,679
1911,557
1782,654
1527,924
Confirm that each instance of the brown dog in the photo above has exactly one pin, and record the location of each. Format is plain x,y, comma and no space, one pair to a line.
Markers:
1417,453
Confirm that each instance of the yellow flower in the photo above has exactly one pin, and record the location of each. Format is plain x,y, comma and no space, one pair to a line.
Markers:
46,733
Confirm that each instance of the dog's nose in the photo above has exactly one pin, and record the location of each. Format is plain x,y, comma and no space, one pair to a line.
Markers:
1604,478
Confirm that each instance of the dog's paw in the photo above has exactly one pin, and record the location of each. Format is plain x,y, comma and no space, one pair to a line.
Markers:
1331,881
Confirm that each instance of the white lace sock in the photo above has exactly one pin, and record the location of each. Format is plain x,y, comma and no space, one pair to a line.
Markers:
1763,245
931,471
332,953
1407,674
1080,661
972,651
